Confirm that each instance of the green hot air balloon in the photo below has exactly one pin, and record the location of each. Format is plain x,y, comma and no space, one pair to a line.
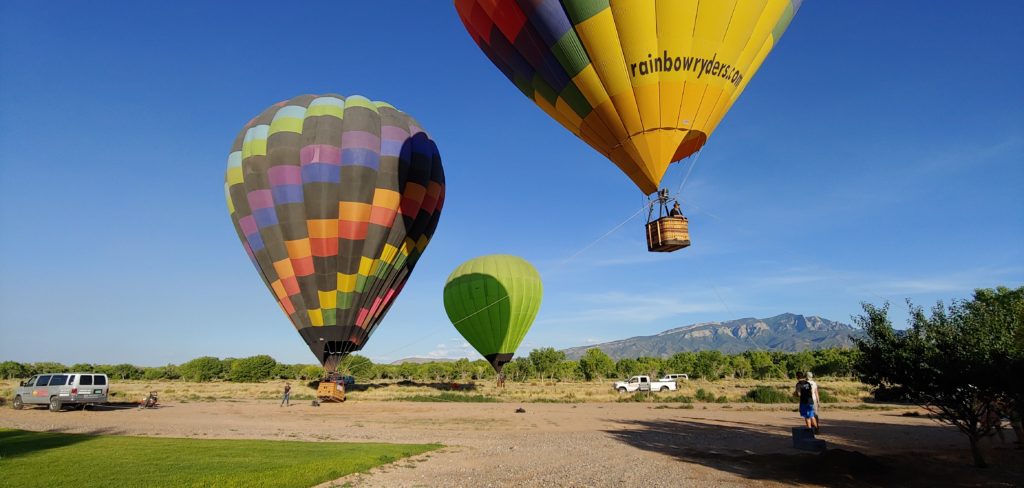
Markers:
492,300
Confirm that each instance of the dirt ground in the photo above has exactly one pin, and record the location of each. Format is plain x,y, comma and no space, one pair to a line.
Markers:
589,444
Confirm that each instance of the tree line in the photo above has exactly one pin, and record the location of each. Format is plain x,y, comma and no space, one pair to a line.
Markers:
540,364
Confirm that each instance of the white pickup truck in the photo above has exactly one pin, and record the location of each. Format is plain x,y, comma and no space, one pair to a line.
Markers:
644,383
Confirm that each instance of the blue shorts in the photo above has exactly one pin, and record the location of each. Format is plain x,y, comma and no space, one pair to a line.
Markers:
807,411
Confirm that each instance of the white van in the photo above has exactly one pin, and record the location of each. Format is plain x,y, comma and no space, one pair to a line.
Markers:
675,377
59,389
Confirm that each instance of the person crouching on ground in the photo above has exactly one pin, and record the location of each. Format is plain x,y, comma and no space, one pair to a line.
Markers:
807,391
287,394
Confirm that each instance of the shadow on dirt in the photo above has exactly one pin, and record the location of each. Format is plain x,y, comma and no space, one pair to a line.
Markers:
760,452
97,407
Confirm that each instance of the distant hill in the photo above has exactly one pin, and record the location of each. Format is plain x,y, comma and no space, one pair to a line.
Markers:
787,332
422,360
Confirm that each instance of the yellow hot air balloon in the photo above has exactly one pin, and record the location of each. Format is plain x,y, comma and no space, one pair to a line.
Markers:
644,82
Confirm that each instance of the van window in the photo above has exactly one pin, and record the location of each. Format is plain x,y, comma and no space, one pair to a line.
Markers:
71,379
85,379
99,380
30,381
43,380
59,380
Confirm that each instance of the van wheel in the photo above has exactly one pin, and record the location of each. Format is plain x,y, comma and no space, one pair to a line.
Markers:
55,404
664,388
622,389
18,404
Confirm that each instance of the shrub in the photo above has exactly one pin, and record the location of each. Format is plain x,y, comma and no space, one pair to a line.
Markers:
676,399
890,394
703,395
448,397
767,394
635,397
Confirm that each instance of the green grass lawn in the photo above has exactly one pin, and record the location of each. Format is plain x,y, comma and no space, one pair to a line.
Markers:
46,459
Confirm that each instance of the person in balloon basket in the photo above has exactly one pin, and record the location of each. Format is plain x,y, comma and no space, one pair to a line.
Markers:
807,391
676,211
287,395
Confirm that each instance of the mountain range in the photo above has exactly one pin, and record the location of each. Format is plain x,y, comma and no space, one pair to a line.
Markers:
416,360
787,332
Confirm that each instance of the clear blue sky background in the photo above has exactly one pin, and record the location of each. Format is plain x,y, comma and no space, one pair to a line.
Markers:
878,155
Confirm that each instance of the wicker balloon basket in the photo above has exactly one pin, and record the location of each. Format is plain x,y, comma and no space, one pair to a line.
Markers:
668,234
330,391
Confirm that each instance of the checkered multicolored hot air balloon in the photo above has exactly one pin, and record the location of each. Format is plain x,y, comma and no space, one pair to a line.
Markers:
334,200
492,301
644,82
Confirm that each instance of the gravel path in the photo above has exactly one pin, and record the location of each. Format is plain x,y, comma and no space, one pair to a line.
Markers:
610,444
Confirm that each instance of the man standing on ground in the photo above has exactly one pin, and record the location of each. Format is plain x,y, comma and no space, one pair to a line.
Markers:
817,402
807,391
287,394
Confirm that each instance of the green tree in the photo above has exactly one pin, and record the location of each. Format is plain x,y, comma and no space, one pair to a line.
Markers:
1000,311
482,370
201,369
282,372
358,366
311,372
47,367
763,365
125,371
407,370
800,362
740,366
169,372
651,366
596,364
462,369
569,371
438,371
225,368
952,361
627,367
10,370
252,369
519,369
545,361
386,372
834,362
681,363
709,365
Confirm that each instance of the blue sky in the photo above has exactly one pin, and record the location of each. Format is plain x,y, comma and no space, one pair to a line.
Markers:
877,155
